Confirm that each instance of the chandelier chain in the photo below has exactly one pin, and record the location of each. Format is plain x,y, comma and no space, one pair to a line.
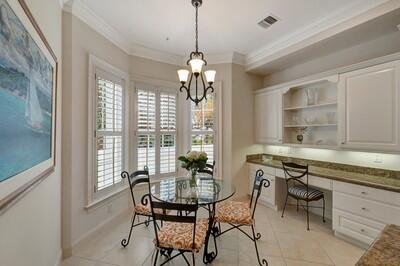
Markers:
197,30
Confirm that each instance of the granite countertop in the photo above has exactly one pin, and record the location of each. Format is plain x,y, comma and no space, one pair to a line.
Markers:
377,178
385,250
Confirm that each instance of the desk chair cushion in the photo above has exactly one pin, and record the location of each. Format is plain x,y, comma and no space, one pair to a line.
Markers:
234,212
180,235
301,192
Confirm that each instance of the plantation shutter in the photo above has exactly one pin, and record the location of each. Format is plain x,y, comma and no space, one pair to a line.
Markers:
167,133
156,130
109,130
146,130
203,127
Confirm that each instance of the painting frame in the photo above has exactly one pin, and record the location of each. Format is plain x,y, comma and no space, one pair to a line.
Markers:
16,187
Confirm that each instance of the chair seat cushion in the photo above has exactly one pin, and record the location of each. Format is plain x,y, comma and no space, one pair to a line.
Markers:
301,192
180,235
145,209
234,212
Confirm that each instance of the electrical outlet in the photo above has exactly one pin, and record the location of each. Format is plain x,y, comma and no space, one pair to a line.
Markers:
378,158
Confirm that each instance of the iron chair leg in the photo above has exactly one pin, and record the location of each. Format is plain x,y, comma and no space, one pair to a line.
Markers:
194,262
308,218
155,259
323,210
284,207
297,206
264,261
125,242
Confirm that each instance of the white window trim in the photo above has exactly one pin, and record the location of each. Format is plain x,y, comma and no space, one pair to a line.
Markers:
218,129
94,197
157,85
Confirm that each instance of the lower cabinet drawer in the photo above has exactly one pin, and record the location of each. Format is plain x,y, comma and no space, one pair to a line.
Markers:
381,212
356,227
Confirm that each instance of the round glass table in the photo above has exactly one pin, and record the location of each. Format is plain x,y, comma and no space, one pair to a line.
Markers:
207,193
178,190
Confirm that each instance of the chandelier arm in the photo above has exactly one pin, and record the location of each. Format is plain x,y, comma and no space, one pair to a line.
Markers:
204,88
188,87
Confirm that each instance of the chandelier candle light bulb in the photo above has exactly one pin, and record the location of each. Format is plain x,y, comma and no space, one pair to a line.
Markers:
197,63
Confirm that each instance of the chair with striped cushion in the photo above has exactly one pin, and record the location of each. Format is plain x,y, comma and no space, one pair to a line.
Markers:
299,189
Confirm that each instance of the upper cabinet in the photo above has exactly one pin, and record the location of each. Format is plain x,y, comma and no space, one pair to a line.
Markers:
369,108
310,113
268,117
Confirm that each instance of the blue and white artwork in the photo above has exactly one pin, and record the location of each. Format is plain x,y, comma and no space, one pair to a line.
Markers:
26,82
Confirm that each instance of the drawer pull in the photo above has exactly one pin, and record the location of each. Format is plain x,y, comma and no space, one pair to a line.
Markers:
364,209
362,230
363,192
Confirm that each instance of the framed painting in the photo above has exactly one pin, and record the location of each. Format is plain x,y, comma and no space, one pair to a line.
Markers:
28,87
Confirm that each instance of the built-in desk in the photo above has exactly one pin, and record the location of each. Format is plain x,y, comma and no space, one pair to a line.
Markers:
362,203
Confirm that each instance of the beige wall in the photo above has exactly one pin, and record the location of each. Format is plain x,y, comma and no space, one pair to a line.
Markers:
384,45
243,85
30,231
79,41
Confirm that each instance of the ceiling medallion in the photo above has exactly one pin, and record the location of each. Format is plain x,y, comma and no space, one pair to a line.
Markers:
196,62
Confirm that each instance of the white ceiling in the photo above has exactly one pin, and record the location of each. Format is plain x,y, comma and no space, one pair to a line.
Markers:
226,26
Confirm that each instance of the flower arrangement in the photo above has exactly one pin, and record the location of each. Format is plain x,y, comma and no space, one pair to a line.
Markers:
194,161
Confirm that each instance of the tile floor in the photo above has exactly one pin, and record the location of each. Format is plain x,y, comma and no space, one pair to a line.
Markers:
284,241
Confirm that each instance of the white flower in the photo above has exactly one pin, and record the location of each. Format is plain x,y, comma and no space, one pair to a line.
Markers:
203,155
193,155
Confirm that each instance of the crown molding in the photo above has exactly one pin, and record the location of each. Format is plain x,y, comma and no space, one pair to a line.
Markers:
227,58
360,12
155,55
83,12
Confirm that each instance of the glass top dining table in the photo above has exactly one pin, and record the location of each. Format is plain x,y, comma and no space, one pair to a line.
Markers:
178,190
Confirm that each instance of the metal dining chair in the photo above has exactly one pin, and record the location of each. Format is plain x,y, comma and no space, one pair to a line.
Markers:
209,169
139,209
179,233
238,214
299,188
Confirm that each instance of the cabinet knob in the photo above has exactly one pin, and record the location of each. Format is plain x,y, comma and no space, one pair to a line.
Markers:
342,142
364,209
363,192
362,230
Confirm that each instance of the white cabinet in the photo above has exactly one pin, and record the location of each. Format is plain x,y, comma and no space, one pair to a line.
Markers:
362,212
369,109
268,194
268,117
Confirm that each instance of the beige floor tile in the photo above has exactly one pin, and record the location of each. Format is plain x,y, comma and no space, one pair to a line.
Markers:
302,248
76,261
133,254
290,262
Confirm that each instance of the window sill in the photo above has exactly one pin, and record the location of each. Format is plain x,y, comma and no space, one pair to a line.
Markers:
101,201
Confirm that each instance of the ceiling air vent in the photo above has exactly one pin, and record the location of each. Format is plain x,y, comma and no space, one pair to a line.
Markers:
268,21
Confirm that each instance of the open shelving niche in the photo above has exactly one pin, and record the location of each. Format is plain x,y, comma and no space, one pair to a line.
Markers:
319,118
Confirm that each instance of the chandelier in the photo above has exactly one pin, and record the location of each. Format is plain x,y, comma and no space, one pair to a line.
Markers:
196,62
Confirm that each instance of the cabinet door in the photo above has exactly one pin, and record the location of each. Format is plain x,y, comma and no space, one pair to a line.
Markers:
268,117
369,108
